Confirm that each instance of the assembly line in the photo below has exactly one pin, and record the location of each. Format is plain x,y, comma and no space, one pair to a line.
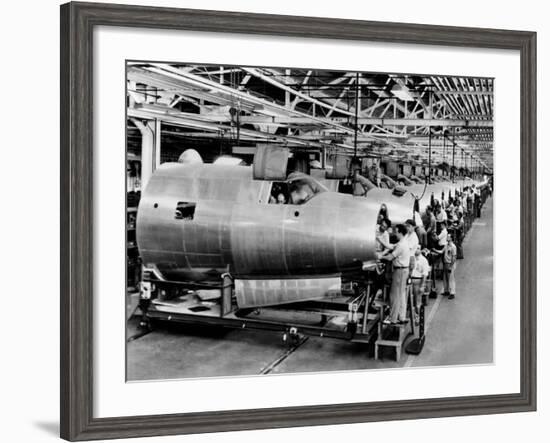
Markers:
294,255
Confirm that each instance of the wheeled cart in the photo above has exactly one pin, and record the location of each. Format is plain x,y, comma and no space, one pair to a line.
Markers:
349,316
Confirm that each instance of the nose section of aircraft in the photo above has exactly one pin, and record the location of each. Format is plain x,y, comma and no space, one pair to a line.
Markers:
356,237
331,233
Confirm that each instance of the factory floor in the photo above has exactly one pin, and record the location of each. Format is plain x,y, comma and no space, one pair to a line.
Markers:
458,331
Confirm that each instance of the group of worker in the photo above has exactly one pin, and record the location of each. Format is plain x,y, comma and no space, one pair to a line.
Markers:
417,249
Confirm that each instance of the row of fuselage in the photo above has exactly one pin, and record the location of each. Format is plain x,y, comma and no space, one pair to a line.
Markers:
230,226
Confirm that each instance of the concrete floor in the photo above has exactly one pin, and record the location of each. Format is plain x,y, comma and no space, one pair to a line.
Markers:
458,331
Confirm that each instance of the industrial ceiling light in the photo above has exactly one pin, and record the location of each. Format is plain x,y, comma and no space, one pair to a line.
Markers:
403,93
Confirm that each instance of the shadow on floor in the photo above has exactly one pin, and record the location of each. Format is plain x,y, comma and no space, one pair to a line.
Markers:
49,427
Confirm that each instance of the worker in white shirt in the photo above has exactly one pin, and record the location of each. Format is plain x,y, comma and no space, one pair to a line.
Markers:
442,236
412,238
464,200
451,213
440,241
458,206
419,275
440,214
382,236
400,257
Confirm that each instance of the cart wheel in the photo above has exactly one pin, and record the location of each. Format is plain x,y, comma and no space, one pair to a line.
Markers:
144,326
147,324
294,339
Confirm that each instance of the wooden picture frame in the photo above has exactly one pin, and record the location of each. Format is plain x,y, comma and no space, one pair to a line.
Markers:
77,23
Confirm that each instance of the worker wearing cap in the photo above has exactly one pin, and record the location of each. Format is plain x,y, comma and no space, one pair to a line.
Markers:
400,257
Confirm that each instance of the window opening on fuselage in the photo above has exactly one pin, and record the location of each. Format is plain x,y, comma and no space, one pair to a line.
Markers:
185,211
298,189
279,193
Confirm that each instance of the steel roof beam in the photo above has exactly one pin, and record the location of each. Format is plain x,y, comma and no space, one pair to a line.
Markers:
257,73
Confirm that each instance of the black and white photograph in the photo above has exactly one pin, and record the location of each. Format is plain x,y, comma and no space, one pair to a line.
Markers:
289,220
275,221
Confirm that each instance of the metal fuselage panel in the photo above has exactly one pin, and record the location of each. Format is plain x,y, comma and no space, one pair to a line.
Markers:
400,208
234,227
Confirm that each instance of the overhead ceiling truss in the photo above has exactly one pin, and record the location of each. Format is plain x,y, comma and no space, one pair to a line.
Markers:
396,115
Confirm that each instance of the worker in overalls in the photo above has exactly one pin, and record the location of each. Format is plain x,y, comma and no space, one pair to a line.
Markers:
449,266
